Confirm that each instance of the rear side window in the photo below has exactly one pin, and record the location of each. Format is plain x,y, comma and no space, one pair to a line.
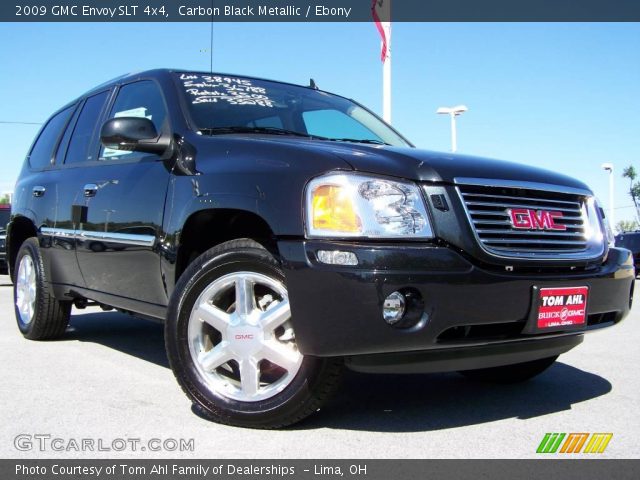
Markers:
42,151
83,133
64,142
139,99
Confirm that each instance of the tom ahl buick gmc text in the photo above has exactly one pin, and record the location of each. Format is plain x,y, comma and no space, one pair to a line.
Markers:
283,233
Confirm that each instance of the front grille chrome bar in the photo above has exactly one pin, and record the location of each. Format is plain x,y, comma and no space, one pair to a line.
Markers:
489,203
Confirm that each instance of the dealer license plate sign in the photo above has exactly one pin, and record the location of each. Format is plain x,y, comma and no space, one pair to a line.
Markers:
562,307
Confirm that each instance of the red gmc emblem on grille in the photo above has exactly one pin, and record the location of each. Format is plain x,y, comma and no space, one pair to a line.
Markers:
526,219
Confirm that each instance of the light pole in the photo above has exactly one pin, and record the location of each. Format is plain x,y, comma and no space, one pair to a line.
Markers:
608,167
453,112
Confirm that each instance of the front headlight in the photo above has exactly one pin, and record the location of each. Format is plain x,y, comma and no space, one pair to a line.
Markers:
357,205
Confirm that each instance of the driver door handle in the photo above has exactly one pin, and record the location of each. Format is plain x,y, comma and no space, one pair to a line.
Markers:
38,191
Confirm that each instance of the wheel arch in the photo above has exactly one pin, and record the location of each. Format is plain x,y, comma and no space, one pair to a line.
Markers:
205,229
20,228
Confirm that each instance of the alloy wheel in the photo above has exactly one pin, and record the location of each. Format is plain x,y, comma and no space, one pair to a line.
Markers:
26,289
241,339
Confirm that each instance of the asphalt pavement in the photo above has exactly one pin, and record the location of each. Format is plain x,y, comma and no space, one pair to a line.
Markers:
107,385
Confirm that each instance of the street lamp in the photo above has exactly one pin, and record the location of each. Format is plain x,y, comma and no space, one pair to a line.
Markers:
453,112
608,167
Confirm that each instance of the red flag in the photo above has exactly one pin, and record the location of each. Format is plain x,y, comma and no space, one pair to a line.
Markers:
381,8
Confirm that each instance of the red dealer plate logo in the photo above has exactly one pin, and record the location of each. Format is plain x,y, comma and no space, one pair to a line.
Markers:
562,307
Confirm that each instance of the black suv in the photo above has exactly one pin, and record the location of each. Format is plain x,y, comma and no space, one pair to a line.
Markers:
630,241
282,232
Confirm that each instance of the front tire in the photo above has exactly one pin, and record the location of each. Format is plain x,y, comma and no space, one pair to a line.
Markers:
39,314
232,346
518,372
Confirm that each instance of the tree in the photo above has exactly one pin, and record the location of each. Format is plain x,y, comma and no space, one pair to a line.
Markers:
5,199
627,226
634,187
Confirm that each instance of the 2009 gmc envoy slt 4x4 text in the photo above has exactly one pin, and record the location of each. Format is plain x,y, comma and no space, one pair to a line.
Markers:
282,233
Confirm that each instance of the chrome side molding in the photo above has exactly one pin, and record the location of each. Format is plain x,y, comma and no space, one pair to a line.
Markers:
107,237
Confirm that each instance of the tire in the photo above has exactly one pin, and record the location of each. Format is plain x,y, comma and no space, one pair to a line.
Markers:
242,366
39,314
518,372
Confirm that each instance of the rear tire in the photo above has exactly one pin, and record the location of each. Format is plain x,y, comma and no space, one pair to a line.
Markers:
518,372
39,314
232,346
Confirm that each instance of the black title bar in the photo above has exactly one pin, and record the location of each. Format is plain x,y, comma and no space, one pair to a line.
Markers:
318,11
128,469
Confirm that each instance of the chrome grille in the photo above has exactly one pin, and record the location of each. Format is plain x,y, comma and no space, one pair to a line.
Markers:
488,209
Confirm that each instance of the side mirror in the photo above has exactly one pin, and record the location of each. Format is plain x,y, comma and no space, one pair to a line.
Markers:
136,134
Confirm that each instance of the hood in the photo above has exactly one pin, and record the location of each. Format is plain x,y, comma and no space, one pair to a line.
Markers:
409,163
429,166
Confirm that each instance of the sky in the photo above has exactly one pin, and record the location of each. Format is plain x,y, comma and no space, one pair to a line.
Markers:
562,96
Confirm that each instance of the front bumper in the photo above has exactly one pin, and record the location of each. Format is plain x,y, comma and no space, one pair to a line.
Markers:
464,358
337,311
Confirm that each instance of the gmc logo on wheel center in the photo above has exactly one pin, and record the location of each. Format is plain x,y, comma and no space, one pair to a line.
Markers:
244,336
527,219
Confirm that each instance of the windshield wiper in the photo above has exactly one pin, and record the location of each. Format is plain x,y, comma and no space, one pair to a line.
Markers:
282,131
360,140
264,130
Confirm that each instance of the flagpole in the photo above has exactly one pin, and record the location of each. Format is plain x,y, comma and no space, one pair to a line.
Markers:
386,76
381,12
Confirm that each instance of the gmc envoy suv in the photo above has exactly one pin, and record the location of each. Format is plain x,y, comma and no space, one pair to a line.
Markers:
282,233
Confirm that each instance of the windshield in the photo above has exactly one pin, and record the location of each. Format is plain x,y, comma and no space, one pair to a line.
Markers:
225,104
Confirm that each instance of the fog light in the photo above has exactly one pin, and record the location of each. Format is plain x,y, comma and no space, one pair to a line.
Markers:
393,308
336,257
